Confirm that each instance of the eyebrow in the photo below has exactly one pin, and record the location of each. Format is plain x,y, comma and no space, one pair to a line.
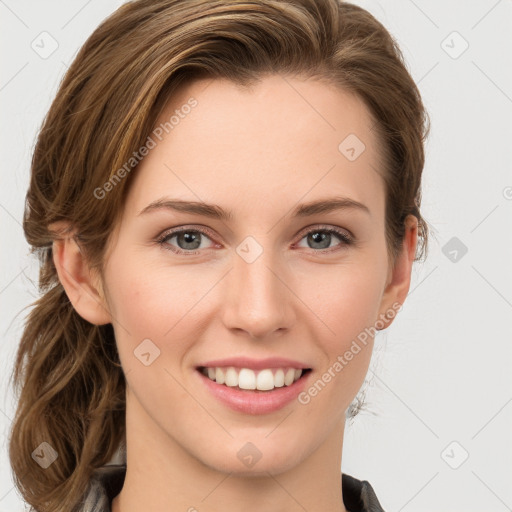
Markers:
216,212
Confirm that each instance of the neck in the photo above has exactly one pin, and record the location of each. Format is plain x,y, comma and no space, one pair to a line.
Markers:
162,475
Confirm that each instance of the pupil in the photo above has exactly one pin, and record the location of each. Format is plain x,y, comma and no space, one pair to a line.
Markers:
322,238
190,238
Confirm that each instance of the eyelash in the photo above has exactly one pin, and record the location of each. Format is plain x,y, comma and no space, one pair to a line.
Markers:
346,239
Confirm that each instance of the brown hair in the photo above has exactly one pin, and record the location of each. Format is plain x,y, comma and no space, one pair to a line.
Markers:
67,372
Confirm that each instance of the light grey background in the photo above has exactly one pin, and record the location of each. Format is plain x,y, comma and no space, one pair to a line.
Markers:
441,390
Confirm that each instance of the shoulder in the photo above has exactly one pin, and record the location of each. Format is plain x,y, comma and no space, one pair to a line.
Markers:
105,484
358,495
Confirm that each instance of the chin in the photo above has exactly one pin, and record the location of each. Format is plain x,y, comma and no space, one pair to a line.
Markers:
253,459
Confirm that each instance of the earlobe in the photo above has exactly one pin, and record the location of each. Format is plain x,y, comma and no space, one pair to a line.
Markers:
400,275
82,288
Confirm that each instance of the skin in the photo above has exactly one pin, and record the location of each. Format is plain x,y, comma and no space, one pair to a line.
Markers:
258,152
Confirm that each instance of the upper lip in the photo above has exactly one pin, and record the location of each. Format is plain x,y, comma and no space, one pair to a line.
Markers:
255,364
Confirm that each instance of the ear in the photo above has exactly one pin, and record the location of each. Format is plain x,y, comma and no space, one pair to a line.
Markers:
83,287
399,275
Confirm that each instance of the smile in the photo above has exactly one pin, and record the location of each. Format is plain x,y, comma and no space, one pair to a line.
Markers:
265,379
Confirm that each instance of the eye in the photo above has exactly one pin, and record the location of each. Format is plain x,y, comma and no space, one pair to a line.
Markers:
321,238
188,241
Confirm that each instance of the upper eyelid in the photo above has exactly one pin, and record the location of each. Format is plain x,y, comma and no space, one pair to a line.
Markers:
325,227
177,230
169,233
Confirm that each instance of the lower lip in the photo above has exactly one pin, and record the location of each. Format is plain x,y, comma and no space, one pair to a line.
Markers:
252,401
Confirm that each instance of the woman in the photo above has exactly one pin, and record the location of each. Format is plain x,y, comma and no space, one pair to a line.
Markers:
225,200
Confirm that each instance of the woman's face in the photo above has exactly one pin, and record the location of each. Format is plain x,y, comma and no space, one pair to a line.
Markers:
273,285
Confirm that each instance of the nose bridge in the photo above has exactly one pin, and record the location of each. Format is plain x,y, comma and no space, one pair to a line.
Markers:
258,301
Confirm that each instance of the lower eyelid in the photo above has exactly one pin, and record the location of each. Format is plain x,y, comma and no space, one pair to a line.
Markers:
345,238
163,239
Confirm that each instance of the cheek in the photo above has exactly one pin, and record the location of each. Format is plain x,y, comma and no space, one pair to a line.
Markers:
164,303
345,300
345,305
150,302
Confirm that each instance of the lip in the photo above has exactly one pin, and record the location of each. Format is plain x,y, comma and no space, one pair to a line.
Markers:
253,401
255,364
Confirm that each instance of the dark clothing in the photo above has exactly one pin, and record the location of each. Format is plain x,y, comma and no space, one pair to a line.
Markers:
107,482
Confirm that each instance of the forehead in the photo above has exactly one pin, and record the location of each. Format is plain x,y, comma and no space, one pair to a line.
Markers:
262,147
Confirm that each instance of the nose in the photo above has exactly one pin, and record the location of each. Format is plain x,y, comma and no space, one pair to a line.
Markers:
258,300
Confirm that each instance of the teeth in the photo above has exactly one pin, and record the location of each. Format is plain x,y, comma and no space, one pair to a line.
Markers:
289,376
219,376
231,378
279,379
264,381
245,378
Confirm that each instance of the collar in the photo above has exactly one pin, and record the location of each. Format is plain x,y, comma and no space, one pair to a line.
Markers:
107,482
